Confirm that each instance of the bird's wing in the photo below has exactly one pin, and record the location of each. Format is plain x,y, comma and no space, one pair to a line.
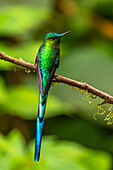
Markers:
49,78
37,61
51,75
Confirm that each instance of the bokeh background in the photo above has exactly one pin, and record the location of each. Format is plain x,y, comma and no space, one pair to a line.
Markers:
72,139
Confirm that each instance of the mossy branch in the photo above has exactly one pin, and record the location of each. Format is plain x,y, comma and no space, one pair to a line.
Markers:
60,79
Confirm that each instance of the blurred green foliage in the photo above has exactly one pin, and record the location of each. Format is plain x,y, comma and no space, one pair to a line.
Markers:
21,23
15,154
86,55
26,98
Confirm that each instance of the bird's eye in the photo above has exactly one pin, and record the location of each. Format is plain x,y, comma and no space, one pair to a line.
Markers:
53,38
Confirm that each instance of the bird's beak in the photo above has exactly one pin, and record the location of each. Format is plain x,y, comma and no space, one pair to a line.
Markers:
65,33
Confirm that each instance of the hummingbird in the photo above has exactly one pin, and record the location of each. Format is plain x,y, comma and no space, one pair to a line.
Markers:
47,60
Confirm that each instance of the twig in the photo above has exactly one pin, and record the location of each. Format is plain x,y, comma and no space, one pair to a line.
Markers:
61,79
18,62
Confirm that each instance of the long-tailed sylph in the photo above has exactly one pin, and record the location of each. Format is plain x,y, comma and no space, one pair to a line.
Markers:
47,61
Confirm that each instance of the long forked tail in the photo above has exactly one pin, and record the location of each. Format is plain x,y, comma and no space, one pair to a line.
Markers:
39,125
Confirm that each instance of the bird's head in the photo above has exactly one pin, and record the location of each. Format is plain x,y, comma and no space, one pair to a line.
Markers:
53,38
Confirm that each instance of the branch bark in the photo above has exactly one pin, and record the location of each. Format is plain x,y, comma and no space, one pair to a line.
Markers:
60,79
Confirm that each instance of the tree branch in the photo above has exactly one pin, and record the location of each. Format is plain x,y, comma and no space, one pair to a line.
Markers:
60,79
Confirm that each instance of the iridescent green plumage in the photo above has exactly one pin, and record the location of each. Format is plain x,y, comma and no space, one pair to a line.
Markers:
47,61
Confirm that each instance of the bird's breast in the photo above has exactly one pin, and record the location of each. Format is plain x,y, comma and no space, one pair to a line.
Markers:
47,57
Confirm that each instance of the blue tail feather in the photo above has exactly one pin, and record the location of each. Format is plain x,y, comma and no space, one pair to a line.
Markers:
39,125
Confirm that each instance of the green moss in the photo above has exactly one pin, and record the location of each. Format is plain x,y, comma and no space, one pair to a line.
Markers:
88,96
101,111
